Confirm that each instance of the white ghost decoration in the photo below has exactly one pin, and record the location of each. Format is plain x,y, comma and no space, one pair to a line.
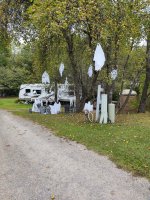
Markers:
45,78
61,69
90,71
114,74
99,57
88,107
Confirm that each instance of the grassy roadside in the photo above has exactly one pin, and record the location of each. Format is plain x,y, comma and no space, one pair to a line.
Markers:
12,104
127,142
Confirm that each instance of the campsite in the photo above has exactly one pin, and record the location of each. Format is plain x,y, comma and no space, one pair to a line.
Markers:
74,100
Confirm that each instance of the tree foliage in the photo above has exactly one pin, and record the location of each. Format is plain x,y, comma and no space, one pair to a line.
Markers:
18,69
79,25
15,67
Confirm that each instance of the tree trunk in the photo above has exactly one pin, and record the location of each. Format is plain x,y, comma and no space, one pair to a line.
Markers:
131,88
110,91
56,90
124,72
144,97
76,74
126,101
86,93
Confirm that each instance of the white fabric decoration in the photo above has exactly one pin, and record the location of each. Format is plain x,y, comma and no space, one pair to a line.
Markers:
56,108
45,78
88,107
66,81
114,74
99,57
53,109
36,105
90,71
61,69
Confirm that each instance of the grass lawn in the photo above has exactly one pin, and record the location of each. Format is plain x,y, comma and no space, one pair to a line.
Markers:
11,104
127,142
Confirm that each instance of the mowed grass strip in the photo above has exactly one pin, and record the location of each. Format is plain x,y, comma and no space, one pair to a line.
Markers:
127,142
12,104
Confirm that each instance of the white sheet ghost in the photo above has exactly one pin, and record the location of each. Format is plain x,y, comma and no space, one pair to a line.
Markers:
61,69
99,57
45,78
114,74
90,71
88,107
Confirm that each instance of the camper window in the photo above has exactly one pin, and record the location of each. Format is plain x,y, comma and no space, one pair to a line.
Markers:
38,91
28,90
71,92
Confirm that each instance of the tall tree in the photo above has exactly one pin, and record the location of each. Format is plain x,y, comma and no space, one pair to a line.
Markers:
81,24
13,70
4,36
146,86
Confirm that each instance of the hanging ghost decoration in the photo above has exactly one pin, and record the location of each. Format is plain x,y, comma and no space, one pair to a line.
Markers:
90,71
45,78
61,69
99,57
114,74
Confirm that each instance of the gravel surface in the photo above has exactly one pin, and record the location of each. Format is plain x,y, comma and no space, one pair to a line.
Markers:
35,164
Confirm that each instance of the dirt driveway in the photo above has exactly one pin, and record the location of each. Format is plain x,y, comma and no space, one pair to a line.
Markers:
34,164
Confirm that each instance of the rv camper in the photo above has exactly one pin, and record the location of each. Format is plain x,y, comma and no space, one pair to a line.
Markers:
29,91
66,93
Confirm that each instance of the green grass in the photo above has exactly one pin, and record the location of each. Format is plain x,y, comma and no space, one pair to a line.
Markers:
127,142
12,104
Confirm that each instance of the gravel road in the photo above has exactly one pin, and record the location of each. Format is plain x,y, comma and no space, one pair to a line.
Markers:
34,164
